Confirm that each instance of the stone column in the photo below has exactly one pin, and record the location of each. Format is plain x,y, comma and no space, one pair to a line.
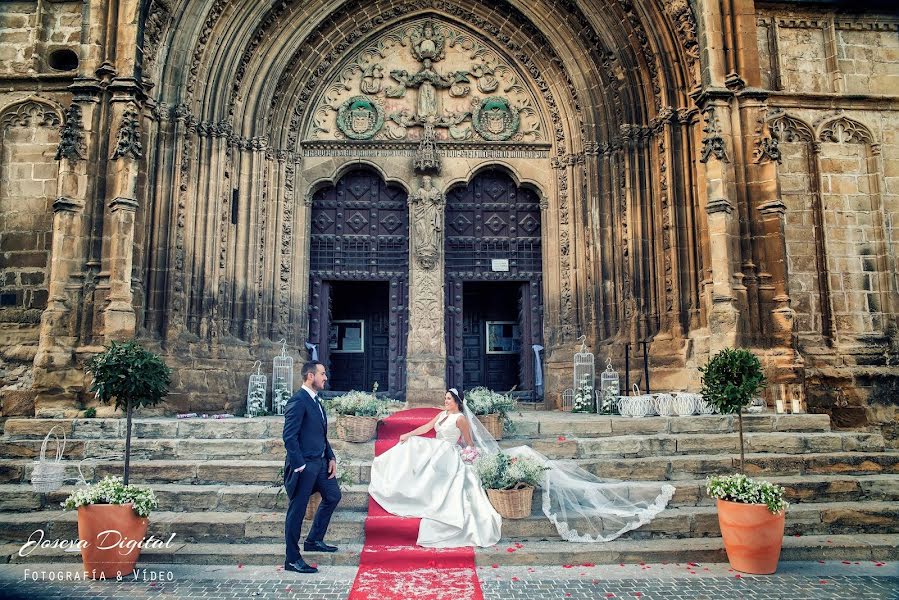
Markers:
118,319
426,348
724,234
57,379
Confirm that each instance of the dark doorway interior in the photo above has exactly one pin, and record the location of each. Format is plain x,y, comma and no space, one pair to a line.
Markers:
491,337
359,334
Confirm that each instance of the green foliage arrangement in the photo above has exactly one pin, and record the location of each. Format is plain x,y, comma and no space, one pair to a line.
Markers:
729,381
132,376
111,490
503,472
739,488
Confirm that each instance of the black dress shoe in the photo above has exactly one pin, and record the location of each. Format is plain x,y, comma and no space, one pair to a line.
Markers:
318,547
299,567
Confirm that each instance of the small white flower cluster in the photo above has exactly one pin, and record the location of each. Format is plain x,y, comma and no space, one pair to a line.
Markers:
483,401
503,472
584,398
739,488
256,402
111,490
360,404
281,393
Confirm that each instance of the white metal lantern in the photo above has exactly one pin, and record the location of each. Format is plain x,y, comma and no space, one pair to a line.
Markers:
610,389
256,392
584,379
282,380
567,400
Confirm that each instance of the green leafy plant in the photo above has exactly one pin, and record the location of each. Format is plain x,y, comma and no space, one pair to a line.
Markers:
503,472
90,413
132,376
739,488
483,401
729,381
111,490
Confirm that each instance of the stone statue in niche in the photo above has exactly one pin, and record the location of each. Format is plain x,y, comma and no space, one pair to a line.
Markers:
426,211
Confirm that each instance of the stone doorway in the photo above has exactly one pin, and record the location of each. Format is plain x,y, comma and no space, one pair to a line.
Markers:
494,307
359,336
359,274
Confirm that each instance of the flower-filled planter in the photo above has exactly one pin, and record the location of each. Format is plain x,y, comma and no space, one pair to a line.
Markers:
358,414
491,409
510,482
751,516
750,512
112,523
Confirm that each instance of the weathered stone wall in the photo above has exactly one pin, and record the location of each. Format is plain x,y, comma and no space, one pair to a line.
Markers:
834,81
30,31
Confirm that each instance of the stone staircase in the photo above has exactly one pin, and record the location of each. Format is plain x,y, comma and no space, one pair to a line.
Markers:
218,489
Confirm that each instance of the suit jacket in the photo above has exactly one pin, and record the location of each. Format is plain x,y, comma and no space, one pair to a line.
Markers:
305,432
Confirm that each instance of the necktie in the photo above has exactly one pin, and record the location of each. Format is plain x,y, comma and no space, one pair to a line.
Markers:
320,409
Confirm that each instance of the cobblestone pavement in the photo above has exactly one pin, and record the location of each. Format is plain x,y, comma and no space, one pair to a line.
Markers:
794,581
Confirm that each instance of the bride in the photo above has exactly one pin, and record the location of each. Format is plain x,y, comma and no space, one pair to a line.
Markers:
423,477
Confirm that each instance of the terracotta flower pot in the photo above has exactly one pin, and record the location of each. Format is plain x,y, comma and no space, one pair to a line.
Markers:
752,536
115,552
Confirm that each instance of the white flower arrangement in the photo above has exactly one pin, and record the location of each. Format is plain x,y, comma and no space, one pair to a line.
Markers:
739,488
483,401
361,404
503,472
281,393
584,397
470,455
256,402
111,490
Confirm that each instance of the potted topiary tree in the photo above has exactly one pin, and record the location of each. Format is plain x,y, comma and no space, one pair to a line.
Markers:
132,377
750,512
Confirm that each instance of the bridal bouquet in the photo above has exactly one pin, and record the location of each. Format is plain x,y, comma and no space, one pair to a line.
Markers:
469,455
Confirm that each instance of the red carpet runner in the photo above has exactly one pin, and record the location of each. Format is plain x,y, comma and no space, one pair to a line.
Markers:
392,567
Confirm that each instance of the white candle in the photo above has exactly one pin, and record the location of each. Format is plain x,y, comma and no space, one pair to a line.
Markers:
797,406
780,405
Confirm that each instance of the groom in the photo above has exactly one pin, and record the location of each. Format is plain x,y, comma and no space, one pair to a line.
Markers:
310,467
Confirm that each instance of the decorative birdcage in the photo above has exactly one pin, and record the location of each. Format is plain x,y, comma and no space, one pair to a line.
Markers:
610,389
282,380
567,400
256,392
584,399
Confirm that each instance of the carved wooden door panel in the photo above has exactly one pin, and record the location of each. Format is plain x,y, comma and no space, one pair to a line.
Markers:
360,232
493,233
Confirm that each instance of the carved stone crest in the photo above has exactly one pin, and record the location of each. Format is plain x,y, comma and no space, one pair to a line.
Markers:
359,118
495,119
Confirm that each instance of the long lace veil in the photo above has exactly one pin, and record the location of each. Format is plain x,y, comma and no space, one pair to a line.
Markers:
582,506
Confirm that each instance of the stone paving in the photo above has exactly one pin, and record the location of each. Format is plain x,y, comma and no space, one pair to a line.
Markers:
821,580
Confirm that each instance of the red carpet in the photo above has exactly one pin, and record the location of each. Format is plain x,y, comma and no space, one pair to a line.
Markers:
392,567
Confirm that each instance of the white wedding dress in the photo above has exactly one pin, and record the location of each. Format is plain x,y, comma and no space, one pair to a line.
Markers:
426,478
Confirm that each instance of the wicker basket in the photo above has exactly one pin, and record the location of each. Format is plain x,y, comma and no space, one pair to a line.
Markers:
314,500
356,429
47,475
514,503
493,423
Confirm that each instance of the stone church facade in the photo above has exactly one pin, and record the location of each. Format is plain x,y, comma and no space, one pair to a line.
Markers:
433,191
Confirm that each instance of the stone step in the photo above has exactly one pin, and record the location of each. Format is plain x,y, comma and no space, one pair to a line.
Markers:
348,526
262,498
880,547
528,424
623,446
656,468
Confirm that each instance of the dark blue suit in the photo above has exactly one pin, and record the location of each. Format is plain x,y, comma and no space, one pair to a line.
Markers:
306,440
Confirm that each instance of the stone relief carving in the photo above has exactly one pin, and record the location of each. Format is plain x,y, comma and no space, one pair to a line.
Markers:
845,131
359,118
128,138
712,141
71,136
425,331
30,114
426,214
789,129
434,69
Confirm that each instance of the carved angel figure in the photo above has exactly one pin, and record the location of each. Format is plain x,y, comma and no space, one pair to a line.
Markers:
371,79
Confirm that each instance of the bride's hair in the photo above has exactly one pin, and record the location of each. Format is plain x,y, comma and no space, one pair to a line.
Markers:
455,394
